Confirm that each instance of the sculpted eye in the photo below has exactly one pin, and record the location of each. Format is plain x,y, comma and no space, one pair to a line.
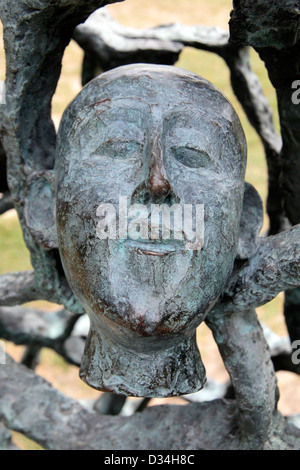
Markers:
117,149
193,158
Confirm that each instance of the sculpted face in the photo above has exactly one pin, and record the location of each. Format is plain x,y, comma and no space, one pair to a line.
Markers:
151,135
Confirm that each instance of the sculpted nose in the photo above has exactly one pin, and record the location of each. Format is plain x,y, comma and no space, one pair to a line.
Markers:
157,183
156,187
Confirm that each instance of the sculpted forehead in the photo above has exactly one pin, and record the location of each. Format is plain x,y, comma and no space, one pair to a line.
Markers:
133,102
148,88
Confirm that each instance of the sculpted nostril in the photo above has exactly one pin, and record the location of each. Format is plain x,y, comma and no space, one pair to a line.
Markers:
163,194
141,195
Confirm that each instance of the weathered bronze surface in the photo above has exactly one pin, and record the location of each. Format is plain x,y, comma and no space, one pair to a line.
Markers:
156,135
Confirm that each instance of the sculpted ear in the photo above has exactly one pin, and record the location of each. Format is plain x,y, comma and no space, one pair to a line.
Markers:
40,208
251,223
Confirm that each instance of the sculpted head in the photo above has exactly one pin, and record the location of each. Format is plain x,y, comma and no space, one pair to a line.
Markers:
150,135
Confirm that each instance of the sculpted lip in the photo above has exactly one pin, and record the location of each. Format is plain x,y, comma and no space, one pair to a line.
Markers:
153,248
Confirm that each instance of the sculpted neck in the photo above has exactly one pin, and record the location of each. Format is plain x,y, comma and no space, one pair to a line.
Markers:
108,366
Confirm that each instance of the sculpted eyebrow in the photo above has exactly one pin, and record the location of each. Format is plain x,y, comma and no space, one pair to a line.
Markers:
188,137
129,114
120,130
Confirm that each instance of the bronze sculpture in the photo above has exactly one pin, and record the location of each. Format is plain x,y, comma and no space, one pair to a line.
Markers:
250,270
156,135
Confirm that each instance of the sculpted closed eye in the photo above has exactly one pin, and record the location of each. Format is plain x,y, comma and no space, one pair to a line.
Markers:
119,149
192,158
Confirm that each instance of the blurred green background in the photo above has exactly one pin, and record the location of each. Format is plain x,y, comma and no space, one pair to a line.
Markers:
147,13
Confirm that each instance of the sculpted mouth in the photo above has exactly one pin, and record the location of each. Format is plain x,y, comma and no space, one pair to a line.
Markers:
153,247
